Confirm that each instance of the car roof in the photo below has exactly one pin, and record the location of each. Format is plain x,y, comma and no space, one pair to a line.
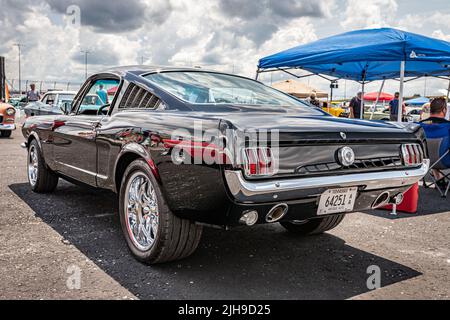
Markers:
139,70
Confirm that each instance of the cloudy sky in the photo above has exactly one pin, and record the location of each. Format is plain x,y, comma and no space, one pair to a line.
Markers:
227,35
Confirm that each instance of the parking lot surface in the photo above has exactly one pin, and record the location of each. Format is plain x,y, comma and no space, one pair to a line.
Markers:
44,238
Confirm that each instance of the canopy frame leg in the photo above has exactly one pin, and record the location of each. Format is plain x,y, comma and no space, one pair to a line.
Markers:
402,91
448,91
362,100
378,98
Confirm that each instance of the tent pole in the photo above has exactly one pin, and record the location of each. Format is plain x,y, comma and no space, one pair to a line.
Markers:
257,74
362,100
378,99
331,95
448,91
402,87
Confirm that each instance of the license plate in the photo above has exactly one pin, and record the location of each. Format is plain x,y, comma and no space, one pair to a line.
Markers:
337,201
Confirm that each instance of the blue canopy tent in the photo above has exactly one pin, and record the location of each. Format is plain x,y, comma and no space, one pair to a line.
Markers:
417,101
366,55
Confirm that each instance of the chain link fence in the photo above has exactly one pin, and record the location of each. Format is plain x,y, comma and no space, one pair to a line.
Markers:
41,85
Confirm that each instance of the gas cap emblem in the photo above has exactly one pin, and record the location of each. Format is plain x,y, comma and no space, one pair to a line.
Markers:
346,156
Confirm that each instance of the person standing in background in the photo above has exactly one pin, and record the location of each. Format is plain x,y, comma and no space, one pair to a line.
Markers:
103,95
313,100
33,95
355,107
393,108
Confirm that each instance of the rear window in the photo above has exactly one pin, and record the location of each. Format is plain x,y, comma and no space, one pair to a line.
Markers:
199,87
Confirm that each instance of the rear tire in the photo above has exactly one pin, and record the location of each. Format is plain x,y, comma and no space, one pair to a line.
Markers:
314,226
153,233
6,134
40,177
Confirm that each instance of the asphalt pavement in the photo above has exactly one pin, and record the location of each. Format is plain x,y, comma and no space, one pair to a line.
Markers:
46,240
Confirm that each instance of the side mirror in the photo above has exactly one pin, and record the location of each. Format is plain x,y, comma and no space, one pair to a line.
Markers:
66,107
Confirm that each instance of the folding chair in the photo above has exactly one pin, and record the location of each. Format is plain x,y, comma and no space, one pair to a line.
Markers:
438,145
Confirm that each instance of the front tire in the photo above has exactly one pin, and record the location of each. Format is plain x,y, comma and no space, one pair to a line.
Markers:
40,177
6,134
314,226
153,233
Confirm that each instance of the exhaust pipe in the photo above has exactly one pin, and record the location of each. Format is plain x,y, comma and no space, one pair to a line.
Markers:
277,213
398,199
382,200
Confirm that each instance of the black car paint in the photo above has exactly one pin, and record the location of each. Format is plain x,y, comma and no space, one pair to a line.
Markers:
93,149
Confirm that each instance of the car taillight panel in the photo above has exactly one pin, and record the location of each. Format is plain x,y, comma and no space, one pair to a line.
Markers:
412,154
258,162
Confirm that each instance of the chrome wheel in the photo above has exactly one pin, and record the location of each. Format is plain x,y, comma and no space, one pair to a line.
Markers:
33,165
141,211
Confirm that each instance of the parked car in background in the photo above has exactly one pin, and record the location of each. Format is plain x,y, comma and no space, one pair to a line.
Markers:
7,119
336,110
49,104
383,113
414,114
380,112
90,104
18,102
425,114
184,148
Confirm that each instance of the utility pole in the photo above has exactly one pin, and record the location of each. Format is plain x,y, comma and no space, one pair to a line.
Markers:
86,53
2,80
19,46
143,60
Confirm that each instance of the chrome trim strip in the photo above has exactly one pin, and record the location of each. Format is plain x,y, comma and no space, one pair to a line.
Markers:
84,171
247,191
78,169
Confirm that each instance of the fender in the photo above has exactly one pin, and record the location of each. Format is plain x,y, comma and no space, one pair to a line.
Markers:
34,135
139,150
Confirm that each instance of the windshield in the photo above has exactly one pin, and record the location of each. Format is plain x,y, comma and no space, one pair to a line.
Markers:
63,98
214,88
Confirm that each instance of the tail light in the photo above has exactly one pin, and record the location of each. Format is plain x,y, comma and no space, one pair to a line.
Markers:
258,162
412,154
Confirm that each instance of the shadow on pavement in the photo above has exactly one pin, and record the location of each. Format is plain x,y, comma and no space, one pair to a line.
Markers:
263,262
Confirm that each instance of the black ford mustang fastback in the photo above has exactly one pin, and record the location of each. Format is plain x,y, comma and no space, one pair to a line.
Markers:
187,148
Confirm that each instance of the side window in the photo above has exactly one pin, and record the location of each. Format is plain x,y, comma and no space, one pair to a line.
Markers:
136,97
100,94
50,99
44,99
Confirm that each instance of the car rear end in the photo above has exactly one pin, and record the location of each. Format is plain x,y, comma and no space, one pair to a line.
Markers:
307,175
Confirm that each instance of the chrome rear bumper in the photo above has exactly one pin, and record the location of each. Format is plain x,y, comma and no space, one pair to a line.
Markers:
7,127
245,191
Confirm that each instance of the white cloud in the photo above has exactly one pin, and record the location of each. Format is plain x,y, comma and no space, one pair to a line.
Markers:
417,22
369,13
439,34
183,32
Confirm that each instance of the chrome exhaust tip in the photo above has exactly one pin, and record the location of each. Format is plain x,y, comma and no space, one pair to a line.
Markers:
277,213
397,199
249,218
382,200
